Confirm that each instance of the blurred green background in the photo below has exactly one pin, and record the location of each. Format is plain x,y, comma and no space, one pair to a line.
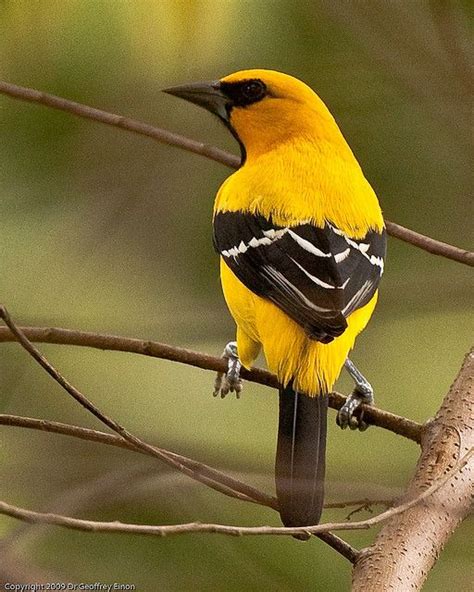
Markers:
105,231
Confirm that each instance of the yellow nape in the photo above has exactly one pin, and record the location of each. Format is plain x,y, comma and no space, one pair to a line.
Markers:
298,166
313,366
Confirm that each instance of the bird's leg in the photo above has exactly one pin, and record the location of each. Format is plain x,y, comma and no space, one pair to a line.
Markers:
362,393
230,381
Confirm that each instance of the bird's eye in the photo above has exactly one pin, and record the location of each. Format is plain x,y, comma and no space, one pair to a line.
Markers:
253,90
244,93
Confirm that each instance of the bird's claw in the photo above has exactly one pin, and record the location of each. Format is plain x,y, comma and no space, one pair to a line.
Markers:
363,393
229,382
346,415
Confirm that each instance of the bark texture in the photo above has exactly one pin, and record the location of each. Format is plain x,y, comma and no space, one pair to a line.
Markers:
408,545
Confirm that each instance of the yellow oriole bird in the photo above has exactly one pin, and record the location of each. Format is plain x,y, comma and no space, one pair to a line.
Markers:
302,243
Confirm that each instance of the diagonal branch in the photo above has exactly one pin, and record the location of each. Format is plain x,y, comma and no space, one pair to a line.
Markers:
335,542
132,125
169,459
166,137
435,247
372,415
254,495
90,435
196,527
235,488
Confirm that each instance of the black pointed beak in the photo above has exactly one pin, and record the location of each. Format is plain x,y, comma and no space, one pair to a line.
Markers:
205,94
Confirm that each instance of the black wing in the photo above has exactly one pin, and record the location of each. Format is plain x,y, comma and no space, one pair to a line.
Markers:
317,276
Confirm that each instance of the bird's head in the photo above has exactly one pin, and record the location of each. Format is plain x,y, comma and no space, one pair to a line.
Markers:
263,108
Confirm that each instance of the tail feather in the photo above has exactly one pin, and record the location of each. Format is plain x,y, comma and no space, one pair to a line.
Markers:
301,457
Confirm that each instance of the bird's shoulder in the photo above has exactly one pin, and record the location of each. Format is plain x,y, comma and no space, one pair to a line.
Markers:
317,274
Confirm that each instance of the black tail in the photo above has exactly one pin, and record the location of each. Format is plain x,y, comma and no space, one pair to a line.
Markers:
301,457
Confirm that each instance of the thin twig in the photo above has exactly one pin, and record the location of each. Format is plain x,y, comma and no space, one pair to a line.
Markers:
196,527
372,415
90,435
435,247
193,469
88,493
246,493
335,542
166,137
132,125
362,504
257,497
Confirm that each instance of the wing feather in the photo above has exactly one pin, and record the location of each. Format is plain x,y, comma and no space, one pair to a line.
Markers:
318,276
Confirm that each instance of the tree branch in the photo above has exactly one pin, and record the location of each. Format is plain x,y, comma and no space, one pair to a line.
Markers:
132,125
412,551
90,435
197,471
335,542
234,487
166,137
251,494
196,527
372,415
443,516
435,247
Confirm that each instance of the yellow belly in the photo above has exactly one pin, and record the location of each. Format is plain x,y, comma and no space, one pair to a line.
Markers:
314,367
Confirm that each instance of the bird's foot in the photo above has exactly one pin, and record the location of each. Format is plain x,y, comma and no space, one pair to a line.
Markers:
346,415
363,393
229,382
